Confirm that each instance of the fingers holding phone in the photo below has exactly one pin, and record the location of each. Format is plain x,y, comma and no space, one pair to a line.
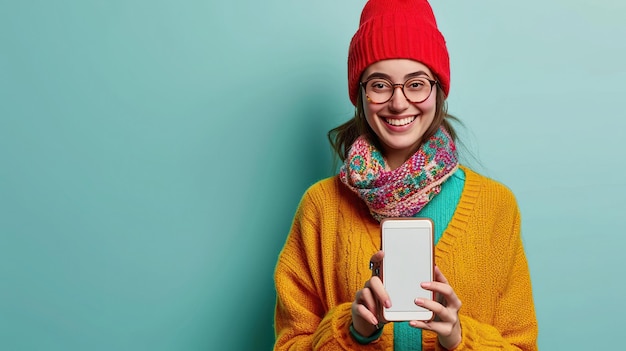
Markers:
446,309
367,307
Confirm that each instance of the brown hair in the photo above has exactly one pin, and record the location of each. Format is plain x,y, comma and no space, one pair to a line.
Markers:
343,136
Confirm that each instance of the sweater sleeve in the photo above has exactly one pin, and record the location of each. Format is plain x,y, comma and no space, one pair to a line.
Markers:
305,316
514,325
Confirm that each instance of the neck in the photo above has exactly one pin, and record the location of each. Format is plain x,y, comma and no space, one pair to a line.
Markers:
395,158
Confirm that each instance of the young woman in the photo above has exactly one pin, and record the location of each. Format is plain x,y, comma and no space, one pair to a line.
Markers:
400,160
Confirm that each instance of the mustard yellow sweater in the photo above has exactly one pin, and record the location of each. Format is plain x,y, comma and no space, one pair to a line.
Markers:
325,261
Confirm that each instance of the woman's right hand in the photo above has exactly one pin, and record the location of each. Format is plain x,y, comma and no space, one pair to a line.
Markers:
368,304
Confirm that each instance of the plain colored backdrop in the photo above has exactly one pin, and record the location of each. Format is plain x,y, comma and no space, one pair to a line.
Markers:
152,155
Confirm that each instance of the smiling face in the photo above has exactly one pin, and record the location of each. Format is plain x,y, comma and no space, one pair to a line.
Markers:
399,123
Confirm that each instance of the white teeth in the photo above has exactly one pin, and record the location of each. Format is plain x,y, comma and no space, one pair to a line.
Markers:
400,122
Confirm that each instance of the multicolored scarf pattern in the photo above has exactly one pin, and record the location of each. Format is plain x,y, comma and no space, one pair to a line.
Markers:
402,192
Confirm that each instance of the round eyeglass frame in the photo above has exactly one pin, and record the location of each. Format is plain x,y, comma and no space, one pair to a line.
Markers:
396,85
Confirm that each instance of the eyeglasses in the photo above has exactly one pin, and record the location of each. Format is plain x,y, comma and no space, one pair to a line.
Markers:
381,90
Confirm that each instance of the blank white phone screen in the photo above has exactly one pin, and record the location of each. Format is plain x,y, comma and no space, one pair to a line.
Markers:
408,263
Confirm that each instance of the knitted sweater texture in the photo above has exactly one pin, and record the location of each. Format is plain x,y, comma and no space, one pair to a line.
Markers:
324,262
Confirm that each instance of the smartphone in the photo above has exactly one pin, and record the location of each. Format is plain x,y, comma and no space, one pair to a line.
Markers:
409,261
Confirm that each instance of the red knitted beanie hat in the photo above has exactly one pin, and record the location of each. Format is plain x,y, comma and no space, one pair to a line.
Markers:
397,29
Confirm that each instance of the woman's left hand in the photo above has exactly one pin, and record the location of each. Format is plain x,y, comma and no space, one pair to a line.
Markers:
446,322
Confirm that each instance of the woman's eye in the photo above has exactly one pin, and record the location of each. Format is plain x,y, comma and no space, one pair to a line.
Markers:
380,85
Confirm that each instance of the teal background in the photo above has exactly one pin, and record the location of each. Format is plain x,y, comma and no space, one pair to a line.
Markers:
152,154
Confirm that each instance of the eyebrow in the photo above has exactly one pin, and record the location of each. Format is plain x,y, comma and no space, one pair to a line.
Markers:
386,76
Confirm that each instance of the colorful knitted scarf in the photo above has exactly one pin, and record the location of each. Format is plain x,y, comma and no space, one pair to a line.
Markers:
404,191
